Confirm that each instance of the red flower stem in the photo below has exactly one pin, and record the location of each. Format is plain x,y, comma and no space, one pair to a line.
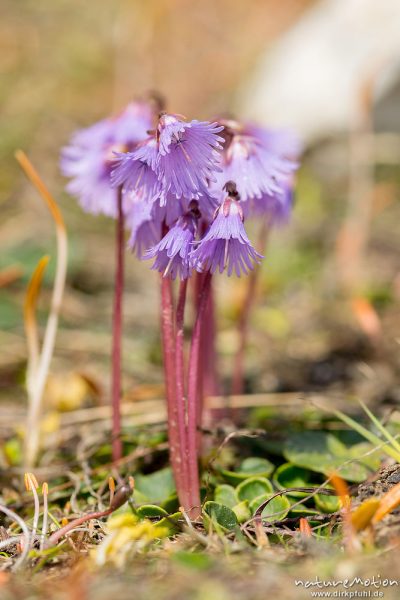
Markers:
208,380
169,353
243,325
211,382
57,535
119,499
180,392
117,333
193,397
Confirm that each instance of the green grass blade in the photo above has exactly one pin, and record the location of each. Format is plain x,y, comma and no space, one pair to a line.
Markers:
381,427
368,435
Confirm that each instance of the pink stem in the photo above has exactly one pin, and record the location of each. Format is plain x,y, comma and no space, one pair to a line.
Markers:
53,539
180,392
117,334
193,397
119,499
211,383
198,286
208,380
243,325
169,352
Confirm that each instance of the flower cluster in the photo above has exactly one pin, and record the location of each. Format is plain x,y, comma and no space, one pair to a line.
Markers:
88,159
187,186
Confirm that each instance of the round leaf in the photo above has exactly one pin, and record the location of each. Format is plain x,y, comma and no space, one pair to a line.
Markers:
220,515
253,487
226,495
276,510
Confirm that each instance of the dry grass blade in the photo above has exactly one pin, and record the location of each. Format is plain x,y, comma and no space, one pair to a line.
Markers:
305,528
361,517
39,184
350,539
38,385
31,329
10,274
388,503
25,531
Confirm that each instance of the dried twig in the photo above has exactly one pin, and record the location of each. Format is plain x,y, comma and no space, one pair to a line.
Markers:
41,372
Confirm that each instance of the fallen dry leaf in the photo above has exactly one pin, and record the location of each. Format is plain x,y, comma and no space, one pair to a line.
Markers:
388,503
361,517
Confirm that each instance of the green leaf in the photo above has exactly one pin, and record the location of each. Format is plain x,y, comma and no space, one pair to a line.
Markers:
253,487
157,487
13,451
242,511
300,509
150,510
220,516
327,504
226,495
198,561
256,466
289,476
323,452
279,505
250,467
171,504
171,522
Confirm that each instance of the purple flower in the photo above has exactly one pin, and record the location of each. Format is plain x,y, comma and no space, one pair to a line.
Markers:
87,160
172,253
282,142
285,144
276,206
255,169
145,231
134,171
226,244
133,123
170,210
188,155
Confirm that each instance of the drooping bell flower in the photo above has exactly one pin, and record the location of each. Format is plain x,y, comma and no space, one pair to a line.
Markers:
172,253
87,160
281,142
254,169
135,172
277,207
226,244
285,144
145,230
188,154
169,210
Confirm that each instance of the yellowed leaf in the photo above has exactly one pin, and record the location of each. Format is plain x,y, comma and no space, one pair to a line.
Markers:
366,316
388,503
361,517
305,528
50,423
67,391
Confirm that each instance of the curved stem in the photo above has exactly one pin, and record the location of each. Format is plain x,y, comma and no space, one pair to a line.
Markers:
57,535
117,333
243,325
120,497
36,387
193,397
25,531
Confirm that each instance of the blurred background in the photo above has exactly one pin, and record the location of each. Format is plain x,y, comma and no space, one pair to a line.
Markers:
327,311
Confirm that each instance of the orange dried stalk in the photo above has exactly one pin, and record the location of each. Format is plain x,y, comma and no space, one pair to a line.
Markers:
388,503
